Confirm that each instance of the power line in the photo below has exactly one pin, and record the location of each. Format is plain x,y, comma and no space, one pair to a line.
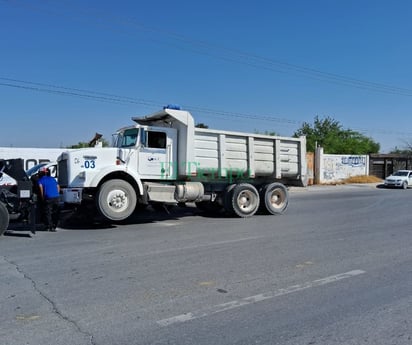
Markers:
62,90
204,48
229,54
111,98
117,99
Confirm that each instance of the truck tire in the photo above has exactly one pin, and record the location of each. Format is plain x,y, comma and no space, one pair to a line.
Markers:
116,200
227,200
4,219
245,200
274,198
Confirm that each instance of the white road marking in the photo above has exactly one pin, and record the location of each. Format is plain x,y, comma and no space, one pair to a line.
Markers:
257,298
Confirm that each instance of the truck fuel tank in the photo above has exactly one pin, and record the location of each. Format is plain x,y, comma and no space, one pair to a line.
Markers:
189,191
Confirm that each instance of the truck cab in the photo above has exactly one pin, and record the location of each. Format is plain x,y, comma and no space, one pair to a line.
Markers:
138,168
151,151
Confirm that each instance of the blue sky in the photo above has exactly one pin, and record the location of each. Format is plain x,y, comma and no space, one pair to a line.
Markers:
69,69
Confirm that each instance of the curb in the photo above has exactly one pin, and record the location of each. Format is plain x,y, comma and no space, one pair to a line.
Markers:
316,188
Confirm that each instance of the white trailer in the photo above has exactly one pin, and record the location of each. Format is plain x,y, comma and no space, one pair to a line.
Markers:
165,159
31,156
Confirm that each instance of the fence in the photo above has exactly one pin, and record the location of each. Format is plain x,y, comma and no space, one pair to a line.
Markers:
382,165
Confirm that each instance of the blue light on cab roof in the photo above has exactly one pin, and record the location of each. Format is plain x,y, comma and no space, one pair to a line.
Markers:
172,106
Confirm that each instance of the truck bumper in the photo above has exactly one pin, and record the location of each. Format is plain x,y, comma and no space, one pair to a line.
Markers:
72,195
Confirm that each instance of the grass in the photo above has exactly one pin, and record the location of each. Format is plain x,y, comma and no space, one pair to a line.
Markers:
356,179
363,179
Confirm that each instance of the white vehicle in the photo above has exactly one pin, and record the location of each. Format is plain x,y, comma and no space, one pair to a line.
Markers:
32,159
52,166
165,159
31,156
401,179
6,180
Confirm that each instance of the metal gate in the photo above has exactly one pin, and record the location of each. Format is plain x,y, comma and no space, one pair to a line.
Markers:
382,165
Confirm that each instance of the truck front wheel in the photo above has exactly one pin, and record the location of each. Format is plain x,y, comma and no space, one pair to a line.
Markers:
274,198
4,218
116,200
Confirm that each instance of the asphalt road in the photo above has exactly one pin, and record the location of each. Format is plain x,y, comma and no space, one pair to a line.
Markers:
336,268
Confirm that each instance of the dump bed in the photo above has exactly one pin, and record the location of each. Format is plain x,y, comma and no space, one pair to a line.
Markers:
204,152
252,155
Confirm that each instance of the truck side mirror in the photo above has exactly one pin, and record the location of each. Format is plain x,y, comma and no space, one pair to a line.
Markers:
143,137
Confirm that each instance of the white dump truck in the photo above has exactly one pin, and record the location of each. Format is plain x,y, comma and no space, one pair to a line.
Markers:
165,159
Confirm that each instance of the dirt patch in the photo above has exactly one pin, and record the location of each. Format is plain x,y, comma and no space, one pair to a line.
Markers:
363,179
357,179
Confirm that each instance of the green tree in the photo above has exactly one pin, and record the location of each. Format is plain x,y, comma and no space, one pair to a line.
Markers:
406,150
329,134
82,144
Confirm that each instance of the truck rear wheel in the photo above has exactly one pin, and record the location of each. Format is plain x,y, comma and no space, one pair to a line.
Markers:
116,200
227,200
4,219
274,198
245,200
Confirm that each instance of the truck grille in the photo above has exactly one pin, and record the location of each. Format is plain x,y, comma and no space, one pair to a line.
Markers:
63,177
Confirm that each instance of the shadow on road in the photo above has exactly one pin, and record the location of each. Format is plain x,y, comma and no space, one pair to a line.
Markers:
76,221
73,220
19,233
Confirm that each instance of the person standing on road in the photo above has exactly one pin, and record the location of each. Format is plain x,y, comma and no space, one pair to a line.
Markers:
38,199
49,193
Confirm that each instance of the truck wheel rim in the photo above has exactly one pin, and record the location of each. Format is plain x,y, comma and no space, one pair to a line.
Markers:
246,201
277,198
117,200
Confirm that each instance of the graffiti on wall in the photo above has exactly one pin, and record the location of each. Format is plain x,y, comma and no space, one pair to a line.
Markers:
329,169
354,161
340,167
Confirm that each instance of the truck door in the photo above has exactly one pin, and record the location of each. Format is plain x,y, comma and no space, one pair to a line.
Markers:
157,155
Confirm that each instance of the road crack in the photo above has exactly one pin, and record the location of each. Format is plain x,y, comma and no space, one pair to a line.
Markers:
53,305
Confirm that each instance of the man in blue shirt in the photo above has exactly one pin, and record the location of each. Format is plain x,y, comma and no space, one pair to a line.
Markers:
49,193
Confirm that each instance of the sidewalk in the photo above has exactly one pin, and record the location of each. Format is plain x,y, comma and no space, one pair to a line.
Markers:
331,187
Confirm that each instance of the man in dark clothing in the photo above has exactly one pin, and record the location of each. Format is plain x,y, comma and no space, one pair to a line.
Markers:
38,198
49,193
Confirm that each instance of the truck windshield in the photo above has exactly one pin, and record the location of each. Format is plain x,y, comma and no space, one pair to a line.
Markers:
127,138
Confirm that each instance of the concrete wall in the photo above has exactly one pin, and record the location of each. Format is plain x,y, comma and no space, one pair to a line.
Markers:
334,168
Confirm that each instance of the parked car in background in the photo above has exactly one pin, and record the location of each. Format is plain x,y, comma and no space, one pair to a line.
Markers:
400,179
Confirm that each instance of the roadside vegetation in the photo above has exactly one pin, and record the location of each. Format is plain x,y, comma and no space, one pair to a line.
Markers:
363,179
329,134
357,179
